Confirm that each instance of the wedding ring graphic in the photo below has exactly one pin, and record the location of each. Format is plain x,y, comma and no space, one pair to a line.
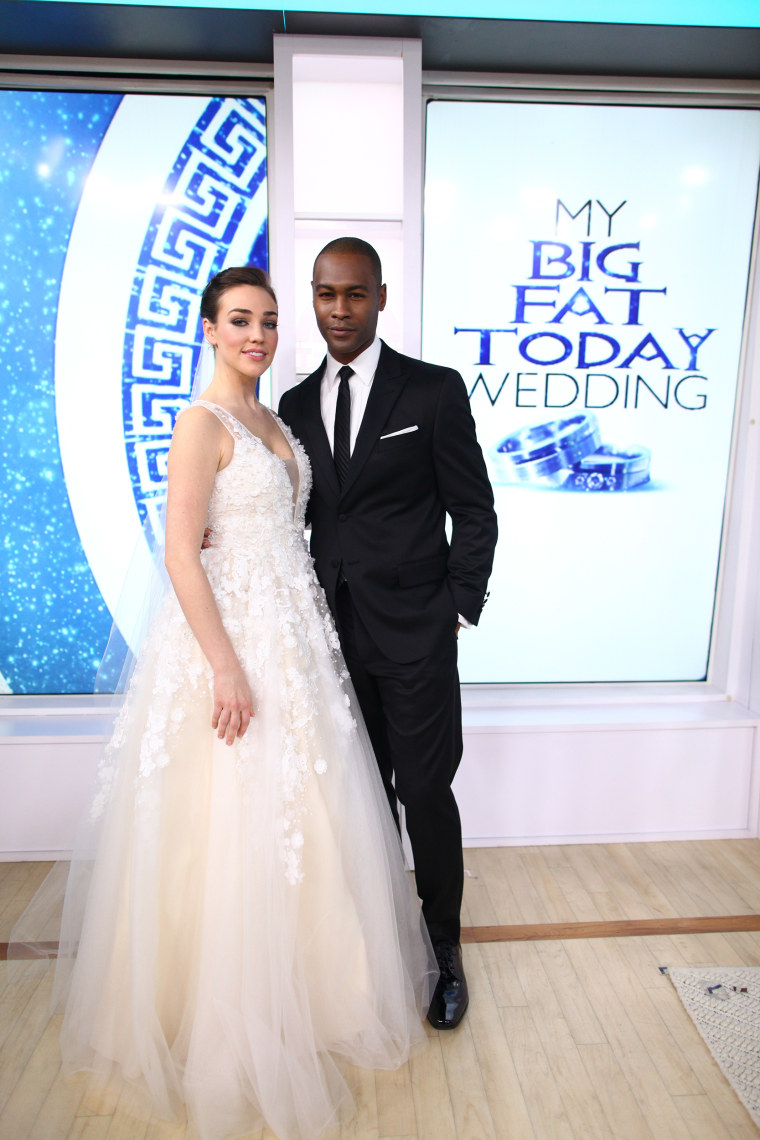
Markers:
569,455
610,469
543,454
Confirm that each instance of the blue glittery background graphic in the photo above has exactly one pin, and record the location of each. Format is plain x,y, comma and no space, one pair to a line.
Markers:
54,622
53,619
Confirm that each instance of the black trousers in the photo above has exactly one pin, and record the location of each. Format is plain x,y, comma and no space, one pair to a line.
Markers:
414,717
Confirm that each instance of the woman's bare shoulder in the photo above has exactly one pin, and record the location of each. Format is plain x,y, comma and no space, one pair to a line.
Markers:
197,420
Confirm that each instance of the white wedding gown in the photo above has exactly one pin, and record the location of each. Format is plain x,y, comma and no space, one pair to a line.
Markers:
248,924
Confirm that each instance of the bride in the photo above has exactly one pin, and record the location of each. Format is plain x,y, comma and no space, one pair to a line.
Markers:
241,917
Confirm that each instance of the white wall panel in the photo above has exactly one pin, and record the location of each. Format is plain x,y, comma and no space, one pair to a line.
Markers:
45,789
548,787
540,782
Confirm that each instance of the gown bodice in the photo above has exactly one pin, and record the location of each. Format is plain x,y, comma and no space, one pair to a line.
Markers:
258,498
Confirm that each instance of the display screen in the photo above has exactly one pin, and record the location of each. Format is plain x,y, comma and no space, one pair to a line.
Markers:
116,210
585,269
710,13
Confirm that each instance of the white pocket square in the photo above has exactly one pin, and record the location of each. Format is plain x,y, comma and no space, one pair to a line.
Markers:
402,431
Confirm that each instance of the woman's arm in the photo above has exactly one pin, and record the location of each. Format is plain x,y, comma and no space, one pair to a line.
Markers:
200,447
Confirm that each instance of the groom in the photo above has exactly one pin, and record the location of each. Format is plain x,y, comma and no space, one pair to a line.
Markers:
393,451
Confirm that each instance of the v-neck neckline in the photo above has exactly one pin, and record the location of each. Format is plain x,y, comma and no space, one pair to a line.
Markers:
252,434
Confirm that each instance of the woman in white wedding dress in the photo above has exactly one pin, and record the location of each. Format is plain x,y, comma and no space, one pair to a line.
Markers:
248,927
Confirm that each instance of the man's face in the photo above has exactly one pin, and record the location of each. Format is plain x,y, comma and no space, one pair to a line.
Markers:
347,300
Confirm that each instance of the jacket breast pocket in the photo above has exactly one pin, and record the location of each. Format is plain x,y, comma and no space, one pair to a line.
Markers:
422,570
400,452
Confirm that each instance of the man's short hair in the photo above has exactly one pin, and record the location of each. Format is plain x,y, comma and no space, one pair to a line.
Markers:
357,246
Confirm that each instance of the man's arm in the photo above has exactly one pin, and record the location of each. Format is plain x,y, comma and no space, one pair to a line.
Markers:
467,495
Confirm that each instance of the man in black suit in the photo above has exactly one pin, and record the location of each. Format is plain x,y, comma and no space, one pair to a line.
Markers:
393,451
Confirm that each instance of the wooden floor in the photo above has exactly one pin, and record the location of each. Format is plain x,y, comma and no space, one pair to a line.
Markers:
566,1037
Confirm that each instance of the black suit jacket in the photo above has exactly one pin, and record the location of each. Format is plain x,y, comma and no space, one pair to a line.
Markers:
386,526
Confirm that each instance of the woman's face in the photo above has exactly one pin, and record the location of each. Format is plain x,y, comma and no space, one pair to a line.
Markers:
245,331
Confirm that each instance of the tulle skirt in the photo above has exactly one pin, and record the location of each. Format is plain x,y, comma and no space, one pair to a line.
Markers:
238,921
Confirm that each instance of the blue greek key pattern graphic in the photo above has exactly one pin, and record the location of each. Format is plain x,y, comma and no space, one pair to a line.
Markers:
219,171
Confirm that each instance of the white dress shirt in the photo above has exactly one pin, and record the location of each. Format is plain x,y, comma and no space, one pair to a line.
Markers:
365,367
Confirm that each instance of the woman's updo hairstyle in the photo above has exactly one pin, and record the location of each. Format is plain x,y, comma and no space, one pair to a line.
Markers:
229,279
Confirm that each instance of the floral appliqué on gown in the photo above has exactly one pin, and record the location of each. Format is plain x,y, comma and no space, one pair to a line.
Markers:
243,922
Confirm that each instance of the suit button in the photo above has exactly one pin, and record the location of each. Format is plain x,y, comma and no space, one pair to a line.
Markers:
342,518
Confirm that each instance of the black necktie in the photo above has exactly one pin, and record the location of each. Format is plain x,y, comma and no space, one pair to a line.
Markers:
342,436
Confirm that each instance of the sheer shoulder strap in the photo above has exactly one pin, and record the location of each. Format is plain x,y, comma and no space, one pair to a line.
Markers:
283,428
293,440
233,426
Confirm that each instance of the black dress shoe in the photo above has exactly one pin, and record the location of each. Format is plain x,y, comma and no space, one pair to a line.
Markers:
450,998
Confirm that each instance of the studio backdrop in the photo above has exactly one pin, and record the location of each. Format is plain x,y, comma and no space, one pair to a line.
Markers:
585,268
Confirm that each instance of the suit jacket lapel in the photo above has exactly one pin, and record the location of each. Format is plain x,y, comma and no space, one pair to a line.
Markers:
386,388
316,441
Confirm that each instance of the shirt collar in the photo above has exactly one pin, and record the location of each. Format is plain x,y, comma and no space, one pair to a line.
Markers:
364,365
